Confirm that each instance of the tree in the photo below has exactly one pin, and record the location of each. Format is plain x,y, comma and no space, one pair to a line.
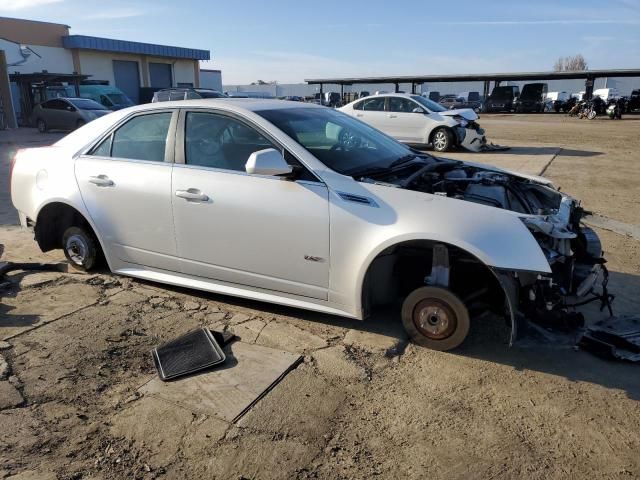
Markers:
570,64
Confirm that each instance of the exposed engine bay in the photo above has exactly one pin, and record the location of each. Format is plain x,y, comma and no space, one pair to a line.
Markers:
574,251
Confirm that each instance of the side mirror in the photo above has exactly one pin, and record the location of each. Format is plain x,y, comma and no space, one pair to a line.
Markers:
71,109
417,110
267,162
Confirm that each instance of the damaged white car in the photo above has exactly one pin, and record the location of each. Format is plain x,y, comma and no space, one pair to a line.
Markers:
305,206
415,120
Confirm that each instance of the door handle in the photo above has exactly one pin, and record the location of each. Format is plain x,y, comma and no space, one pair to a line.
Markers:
192,194
101,181
392,116
358,114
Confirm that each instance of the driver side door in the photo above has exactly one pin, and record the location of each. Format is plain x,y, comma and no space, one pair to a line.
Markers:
405,124
252,230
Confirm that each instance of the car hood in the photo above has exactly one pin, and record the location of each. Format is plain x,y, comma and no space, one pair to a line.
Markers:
467,113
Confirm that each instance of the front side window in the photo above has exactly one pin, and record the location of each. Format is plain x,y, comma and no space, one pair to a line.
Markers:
341,142
401,105
216,141
429,104
142,138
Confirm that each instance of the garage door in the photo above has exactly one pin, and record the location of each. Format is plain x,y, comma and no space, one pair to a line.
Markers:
160,75
127,78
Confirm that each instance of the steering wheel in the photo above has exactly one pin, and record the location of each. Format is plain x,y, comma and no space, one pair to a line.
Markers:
207,143
347,140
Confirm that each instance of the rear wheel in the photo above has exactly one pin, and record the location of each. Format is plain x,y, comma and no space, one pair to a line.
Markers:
80,248
442,140
435,318
42,125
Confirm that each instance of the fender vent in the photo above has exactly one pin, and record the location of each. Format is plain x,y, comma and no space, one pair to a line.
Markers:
350,197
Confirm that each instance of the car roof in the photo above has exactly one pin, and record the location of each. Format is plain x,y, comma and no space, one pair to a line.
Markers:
250,104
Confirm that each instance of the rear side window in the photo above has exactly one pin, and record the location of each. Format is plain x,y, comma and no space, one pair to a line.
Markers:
55,105
374,104
142,138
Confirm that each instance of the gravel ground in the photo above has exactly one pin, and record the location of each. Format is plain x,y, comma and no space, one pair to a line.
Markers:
364,403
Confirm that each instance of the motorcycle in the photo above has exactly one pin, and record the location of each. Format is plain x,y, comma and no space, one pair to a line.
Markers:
614,110
588,111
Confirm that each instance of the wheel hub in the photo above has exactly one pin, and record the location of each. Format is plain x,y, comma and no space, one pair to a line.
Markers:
77,249
440,140
434,319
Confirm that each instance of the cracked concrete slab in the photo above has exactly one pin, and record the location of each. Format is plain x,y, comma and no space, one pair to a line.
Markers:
333,362
32,308
231,388
289,337
161,427
10,397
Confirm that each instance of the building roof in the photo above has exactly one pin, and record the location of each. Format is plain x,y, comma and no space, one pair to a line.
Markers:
480,77
85,42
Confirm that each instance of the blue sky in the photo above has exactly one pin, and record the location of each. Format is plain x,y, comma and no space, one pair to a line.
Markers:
288,40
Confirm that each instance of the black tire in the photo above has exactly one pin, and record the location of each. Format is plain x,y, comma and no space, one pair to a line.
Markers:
442,140
81,248
435,318
42,125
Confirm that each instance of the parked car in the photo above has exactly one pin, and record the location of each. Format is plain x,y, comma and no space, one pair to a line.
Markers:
451,101
607,94
557,102
433,96
305,206
66,113
634,101
471,100
332,99
294,98
502,99
415,120
183,93
532,98
106,95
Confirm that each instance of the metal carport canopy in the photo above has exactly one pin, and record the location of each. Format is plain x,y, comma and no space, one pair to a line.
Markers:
478,77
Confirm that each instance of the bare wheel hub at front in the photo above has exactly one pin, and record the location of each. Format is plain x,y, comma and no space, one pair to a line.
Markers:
434,319
77,249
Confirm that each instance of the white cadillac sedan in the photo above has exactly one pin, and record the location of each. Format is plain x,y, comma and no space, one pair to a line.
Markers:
305,206
416,120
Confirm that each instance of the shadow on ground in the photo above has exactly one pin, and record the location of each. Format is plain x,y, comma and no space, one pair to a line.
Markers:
546,151
490,342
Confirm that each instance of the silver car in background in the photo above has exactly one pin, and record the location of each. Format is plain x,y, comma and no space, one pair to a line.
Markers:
66,113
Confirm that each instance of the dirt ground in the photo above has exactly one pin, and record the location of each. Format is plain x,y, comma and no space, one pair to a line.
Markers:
364,403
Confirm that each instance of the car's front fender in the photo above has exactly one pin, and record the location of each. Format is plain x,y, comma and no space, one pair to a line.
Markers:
361,231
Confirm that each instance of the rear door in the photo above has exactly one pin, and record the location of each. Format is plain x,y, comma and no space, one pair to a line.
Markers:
372,112
125,182
54,113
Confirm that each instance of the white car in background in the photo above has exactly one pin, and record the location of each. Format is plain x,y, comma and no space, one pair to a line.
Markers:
416,120
304,206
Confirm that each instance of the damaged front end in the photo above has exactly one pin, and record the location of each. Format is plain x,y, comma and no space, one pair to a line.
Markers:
573,251
471,137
